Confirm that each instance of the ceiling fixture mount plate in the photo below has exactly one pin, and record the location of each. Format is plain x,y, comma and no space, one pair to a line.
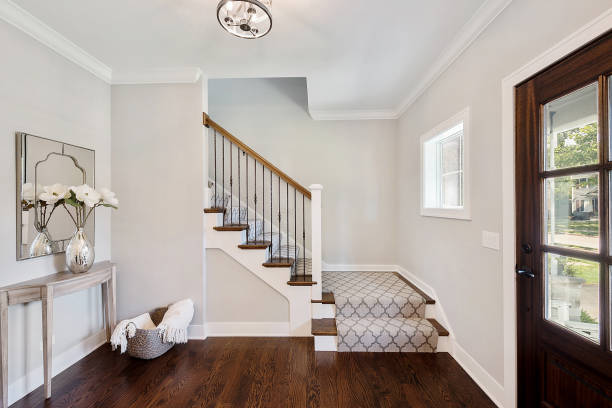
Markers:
245,18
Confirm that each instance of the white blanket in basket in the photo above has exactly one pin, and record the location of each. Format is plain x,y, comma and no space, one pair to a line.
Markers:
126,329
173,327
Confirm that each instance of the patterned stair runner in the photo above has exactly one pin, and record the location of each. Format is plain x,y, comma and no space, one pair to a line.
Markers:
280,249
377,311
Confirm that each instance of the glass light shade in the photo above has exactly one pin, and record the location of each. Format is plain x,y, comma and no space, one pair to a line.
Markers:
245,18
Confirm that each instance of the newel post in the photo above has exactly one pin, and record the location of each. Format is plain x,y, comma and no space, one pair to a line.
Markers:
316,252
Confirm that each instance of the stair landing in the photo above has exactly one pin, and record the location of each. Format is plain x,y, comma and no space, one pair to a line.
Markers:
381,312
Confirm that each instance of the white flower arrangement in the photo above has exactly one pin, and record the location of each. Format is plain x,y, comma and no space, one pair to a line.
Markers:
85,199
48,197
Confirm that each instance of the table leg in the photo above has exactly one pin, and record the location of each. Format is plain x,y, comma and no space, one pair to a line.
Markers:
47,323
112,297
4,349
107,311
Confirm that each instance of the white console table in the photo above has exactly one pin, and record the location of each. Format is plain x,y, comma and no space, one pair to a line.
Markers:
46,289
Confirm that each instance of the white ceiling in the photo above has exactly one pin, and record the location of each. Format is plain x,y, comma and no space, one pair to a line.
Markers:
361,58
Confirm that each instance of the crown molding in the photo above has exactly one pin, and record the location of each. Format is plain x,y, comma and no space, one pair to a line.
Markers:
34,27
184,75
352,114
484,16
468,34
26,22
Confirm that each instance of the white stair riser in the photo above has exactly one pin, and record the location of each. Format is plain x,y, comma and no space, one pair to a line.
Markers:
430,311
321,311
326,343
444,345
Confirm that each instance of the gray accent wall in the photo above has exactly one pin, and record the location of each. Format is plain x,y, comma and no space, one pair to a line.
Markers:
447,253
353,160
157,162
235,294
44,94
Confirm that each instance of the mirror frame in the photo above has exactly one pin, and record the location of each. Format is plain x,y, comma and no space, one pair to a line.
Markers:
19,136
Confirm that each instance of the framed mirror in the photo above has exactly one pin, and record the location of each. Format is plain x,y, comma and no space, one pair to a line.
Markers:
46,229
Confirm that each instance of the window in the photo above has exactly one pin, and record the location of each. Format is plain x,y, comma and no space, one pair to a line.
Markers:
444,169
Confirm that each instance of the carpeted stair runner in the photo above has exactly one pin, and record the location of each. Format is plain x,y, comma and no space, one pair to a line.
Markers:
377,311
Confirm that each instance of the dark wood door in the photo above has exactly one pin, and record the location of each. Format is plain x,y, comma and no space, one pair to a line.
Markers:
564,256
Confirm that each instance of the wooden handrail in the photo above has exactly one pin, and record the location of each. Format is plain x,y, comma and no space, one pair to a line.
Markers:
208,122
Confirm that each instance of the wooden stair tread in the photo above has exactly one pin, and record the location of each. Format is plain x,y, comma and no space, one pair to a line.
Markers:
327,298
255,245
442,332
213,210
278,263
301,280
232,227
428,299
324,327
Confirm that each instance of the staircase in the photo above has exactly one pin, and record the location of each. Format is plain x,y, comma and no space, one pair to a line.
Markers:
378,312
271,225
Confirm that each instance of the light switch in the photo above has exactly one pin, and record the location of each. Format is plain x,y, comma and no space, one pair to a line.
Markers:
490,240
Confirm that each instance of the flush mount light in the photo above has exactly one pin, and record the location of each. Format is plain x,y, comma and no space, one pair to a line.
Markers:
245,18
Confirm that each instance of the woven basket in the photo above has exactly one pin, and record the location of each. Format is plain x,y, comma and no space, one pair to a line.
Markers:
147,344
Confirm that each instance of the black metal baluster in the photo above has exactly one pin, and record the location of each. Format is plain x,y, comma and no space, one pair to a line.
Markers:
304,232
287,184
231,187
223,176
255,199
216,189
263,202
295,225
280,248
239,195
271,218
247,185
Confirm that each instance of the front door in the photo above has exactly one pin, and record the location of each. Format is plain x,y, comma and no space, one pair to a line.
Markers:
564,253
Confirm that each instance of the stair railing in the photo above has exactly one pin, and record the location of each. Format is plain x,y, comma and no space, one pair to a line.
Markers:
269,203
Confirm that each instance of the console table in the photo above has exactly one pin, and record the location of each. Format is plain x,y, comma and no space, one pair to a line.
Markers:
46,289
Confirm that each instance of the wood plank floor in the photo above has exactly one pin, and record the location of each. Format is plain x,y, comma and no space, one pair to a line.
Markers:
261,372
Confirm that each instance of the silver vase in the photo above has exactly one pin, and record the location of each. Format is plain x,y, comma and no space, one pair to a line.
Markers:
80,253
41,244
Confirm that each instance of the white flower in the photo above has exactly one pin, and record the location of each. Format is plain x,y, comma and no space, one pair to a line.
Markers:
108,197
52,194
27,192
86,195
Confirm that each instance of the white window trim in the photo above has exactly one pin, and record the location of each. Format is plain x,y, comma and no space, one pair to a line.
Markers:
463,213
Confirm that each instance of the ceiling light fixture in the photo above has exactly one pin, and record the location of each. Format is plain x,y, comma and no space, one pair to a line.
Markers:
245,18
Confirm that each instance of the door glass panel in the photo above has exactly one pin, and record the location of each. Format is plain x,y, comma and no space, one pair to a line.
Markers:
609,116
570,129
572,294
571,211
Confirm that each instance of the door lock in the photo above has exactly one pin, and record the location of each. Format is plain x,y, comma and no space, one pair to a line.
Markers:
524,271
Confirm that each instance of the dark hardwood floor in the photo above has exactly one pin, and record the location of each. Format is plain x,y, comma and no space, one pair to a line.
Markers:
261,372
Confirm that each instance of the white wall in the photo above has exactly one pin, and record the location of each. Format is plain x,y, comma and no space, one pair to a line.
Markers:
447,253
157,165
235,294
44,94
353,160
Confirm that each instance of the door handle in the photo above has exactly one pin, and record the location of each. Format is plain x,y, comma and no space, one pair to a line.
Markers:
524,271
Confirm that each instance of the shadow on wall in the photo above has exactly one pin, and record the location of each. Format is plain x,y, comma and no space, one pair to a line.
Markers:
288,90
234,294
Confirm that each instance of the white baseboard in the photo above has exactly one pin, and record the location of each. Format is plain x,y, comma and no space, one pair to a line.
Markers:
34,379
196,332
485,381
326,343
247,329
358,268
